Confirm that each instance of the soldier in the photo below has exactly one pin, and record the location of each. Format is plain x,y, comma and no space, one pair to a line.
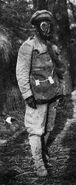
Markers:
40,74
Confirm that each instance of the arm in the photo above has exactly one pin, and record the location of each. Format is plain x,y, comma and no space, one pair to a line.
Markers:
23,69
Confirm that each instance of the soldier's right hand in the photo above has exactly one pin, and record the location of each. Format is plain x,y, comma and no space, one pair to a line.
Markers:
31,102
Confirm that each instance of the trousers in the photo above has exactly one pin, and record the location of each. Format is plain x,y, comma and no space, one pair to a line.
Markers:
40,120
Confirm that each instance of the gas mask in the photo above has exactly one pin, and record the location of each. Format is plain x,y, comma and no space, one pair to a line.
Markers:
45,29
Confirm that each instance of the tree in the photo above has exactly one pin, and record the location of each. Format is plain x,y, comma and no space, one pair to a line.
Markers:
20,14
51,4
61,15
39,5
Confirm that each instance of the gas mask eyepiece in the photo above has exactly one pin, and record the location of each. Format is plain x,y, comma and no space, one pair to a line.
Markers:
45,27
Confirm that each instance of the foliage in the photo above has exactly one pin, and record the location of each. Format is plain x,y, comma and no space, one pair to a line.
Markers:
16,15
15,28
39,5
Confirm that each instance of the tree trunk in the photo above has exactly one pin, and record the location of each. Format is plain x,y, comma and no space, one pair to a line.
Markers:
40,4
51,4
61,16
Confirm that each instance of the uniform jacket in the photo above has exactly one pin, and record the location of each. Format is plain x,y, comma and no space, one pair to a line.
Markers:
23,67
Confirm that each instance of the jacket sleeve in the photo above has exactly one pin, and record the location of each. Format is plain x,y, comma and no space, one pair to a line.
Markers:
23,69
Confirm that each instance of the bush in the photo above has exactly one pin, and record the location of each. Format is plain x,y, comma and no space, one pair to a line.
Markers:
14,99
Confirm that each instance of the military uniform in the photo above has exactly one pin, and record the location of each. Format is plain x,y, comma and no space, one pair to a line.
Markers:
36,77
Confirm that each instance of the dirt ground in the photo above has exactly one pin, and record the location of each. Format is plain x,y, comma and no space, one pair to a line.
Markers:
16,165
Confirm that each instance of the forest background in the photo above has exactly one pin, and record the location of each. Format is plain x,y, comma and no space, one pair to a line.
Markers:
15,27
16,166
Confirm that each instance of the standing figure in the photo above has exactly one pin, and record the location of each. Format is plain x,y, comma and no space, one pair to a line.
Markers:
40,75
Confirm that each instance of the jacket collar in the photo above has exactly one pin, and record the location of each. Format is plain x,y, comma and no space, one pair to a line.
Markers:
39,45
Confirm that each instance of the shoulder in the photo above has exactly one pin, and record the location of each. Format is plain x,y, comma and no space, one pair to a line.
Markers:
29,41
27,46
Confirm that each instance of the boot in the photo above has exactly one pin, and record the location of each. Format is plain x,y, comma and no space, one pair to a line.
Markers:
49,126
45,145
36,149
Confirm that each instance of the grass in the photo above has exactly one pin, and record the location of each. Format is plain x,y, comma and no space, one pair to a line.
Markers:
16,165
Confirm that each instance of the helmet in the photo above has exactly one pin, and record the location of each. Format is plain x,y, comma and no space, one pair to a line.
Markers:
41,15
